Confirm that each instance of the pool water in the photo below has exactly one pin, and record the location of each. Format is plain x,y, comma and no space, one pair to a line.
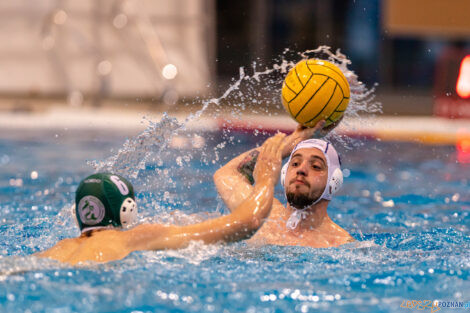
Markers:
407,205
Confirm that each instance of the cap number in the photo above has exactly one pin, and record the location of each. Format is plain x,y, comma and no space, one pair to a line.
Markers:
120,184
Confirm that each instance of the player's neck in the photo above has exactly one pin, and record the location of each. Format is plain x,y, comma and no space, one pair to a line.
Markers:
91,232
315,215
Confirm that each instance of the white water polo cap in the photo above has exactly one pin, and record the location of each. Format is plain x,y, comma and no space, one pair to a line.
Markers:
335,175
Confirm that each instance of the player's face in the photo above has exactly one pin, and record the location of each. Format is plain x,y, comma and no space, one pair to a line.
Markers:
306,176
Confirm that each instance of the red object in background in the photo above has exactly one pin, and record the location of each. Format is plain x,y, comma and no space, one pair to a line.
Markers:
452,84
463,150
463,81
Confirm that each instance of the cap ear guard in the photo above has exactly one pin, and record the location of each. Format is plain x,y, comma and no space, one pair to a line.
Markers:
74,214
128,212
336,181
284,173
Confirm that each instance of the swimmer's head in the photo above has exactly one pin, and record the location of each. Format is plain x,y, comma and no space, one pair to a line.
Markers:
312,173
104,200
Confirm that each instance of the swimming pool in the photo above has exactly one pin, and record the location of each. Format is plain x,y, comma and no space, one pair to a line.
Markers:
407,205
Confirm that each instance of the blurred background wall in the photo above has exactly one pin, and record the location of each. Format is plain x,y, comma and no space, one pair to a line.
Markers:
165,50
404,46
106,48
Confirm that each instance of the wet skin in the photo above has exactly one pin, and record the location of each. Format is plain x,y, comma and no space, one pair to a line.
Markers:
244,220
307,175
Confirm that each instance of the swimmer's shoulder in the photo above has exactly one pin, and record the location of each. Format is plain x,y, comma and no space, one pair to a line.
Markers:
60,250
67,243
342,234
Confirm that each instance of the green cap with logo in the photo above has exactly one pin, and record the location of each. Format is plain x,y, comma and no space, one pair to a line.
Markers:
104,200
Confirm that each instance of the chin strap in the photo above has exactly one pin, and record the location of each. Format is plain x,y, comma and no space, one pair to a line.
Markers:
295,218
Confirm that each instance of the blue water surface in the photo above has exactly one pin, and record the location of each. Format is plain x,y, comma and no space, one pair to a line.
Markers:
406,204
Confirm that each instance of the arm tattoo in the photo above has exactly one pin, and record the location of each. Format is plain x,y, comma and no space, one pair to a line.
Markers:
247,166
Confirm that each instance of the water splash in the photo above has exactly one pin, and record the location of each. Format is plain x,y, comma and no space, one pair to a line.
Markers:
362,103
135,153
256,92
195,253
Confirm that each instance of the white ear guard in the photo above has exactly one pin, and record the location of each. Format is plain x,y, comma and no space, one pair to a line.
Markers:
128,212
335,175
74,215
336,181
284,172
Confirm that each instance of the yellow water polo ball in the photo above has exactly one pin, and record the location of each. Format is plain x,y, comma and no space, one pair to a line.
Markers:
315,90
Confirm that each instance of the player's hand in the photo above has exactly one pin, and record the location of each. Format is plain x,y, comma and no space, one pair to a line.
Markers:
269,161
322,131
302,133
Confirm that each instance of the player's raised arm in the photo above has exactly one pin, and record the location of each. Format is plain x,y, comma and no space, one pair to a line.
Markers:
234,180
242,223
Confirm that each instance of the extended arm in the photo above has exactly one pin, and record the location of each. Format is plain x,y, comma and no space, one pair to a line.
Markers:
242,223
232,180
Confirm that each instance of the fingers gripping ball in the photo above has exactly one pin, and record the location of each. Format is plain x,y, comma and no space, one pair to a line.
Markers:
315,90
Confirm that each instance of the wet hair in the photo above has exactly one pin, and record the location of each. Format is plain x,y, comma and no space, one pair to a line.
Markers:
88,233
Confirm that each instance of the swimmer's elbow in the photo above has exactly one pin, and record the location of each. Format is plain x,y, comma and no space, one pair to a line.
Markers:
221,172
219,178
216,176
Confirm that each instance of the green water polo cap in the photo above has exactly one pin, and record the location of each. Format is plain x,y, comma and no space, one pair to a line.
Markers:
105,200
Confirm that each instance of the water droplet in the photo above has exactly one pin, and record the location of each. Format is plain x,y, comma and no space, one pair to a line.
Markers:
34,175
120,21
380,177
